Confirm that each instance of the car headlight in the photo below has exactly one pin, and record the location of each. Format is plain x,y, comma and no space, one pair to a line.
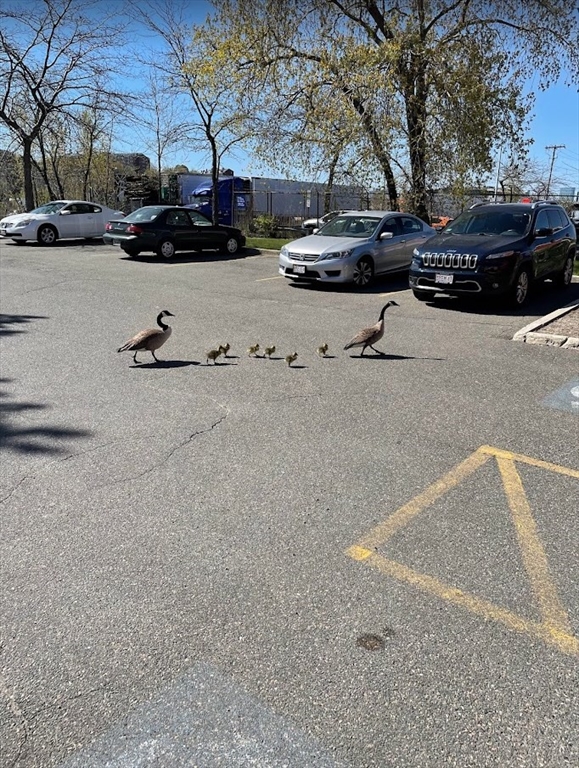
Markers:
501,255
23,223
416,252
284,252
336,255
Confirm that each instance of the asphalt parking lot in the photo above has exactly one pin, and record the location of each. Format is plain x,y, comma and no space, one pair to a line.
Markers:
347,563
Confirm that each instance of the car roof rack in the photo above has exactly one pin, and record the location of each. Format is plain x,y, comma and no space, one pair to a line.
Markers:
488,202
537,203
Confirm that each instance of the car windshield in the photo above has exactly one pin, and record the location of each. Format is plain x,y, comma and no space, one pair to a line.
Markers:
149,213
350,226
495,222
49,207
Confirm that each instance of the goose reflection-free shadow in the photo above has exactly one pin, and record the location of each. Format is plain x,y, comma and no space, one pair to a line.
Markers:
386,356
159,364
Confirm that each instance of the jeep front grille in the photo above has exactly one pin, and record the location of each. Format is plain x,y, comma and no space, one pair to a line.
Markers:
450,260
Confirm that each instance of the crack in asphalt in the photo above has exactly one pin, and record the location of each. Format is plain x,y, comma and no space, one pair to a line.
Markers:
62,459
175,448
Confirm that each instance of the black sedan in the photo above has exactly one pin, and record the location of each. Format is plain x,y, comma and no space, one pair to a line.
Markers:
165,229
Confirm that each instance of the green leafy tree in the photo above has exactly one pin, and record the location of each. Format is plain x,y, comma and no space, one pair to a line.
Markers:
425,88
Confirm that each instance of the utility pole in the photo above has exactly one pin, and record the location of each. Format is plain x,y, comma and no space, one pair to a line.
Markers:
554,147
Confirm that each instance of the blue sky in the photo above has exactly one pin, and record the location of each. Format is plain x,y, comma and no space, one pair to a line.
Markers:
556,121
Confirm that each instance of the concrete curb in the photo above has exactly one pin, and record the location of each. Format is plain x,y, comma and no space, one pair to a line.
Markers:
531,334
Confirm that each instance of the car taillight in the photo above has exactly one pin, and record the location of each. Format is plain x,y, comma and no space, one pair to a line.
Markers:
108,226
134,229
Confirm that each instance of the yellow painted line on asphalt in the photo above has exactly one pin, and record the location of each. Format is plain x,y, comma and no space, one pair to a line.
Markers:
555,627
499,453
564,641
384,531
263,279
392,293
534,558
184,264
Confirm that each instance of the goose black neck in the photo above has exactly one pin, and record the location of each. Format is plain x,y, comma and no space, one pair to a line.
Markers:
384,308
160,322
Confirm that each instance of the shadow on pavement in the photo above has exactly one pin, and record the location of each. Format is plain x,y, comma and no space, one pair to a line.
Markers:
166,364
188,257
544,299
387,284
31,439
13,323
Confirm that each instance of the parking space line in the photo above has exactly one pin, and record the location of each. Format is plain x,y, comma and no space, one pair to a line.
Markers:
554,627
263,279
532,551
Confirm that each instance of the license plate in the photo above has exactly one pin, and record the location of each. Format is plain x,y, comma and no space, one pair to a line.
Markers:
445,279
300,269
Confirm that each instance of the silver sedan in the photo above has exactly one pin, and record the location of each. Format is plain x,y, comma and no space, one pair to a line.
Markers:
354,247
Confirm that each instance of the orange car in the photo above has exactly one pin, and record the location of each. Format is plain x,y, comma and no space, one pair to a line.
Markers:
440,222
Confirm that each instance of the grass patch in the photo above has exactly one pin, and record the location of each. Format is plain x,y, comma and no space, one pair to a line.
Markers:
268,243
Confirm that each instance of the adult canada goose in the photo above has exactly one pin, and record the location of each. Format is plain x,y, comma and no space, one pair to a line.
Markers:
322,350
268,351
291,358
150,339
213,354
369,336
253,350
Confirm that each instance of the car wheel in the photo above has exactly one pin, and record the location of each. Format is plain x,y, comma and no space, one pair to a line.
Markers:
166,249
521,288
563,278
422,295
231,246
47,235
363,272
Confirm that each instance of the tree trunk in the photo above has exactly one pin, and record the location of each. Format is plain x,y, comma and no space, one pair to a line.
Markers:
379,150
214,180
415,92
330,185
27,169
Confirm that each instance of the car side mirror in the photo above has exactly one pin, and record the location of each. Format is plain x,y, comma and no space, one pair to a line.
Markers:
386,235
543,232
65,213
316,229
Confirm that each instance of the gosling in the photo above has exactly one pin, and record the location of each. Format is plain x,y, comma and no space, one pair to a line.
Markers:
323,349
253,350
213,354
224,349
268,351
291,358
150,339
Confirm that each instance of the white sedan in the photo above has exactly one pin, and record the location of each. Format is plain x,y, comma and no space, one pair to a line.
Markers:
59,220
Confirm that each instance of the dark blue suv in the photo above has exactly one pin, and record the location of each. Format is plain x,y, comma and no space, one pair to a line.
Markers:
496,249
